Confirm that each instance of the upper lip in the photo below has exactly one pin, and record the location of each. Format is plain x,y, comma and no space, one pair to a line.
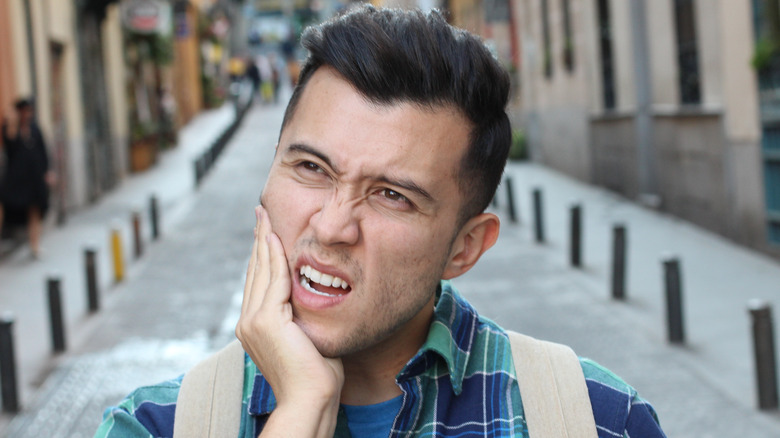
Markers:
324,268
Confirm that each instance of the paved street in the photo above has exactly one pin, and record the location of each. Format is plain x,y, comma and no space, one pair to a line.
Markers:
181,300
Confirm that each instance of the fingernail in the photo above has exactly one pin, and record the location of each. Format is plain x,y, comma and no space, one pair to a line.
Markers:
258,212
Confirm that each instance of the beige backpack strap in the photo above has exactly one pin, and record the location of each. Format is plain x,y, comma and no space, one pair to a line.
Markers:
553,388
211,396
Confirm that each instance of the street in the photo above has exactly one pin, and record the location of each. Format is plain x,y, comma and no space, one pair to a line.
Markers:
181,299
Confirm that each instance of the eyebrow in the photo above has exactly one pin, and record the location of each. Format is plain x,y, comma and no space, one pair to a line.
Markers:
405,184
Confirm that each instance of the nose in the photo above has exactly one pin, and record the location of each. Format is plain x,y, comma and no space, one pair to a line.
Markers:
336,223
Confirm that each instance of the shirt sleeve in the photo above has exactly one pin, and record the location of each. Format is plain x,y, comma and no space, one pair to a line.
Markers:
148,411
642,420
617,408
119,423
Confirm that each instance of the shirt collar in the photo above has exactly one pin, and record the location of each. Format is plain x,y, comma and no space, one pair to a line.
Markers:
450,339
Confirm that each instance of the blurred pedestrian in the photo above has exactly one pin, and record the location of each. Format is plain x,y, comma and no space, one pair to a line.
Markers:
253,73
236,68
24,191
275,79
266,78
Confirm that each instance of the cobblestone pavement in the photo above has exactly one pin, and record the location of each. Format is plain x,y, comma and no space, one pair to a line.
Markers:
179,305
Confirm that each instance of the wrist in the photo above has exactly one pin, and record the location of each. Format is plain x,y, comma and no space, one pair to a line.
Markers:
304,419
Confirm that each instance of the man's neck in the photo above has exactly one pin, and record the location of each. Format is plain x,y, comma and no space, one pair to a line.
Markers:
369,376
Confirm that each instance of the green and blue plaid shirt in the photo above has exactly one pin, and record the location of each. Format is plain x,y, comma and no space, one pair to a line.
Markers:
460,384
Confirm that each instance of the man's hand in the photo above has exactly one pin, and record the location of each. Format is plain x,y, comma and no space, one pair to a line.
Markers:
307,386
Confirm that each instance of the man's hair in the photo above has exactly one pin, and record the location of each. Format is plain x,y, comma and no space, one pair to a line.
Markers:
392,56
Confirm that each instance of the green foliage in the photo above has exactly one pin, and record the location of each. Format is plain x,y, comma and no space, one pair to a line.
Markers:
765,50
518,150
139,130
155,48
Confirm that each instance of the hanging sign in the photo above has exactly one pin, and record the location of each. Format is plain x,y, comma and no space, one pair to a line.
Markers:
146,16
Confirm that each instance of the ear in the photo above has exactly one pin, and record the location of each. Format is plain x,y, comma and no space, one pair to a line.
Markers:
474,238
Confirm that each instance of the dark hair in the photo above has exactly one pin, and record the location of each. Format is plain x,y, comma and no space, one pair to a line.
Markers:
23,103
393,55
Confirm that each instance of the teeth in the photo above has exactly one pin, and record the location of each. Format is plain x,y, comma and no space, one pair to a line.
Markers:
307,286
315,276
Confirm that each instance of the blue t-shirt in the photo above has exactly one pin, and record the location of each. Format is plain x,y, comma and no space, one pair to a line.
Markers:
372,421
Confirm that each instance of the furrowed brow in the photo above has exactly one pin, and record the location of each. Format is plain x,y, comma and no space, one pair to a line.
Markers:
306,149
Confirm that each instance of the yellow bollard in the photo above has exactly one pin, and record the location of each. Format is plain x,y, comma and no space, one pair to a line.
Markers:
116,251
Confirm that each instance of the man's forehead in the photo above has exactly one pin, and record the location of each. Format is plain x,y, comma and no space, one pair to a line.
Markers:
338,122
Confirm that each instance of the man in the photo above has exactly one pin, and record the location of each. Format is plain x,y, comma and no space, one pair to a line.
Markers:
390,150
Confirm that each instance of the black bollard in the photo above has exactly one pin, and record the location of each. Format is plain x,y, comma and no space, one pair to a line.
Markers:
764,348
674,307
90,265
510,198
619,262
538,215
55,312
8,385
575,235
154,217
198,172
138,244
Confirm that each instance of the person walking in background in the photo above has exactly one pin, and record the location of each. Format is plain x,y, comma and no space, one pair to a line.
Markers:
24,190
275,79
266,78
253,73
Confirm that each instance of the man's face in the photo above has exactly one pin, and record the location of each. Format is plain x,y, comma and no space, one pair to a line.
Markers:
367,194
25,114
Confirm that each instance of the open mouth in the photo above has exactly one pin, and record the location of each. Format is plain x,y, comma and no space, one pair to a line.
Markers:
321,284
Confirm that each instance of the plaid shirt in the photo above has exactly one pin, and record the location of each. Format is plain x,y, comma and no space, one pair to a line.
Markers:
460,384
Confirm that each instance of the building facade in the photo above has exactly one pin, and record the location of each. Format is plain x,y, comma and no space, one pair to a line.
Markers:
658,101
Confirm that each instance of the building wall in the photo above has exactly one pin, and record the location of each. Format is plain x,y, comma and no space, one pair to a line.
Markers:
467,14
708,156
614,155
7,57
20,48
741,123
558,108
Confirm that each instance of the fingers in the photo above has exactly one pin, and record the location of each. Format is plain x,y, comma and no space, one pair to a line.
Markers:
261,272
250,270
279,287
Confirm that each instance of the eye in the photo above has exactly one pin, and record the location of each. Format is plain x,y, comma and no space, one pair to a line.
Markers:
398,200
308,165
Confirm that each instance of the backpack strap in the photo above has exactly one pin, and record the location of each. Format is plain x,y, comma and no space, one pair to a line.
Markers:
553,388
555,396
211,396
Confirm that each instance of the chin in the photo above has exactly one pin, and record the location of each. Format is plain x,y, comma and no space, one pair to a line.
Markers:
329,344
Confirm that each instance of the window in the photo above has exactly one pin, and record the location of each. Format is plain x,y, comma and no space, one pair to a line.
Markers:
607,59
548,65
687,52
568,39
